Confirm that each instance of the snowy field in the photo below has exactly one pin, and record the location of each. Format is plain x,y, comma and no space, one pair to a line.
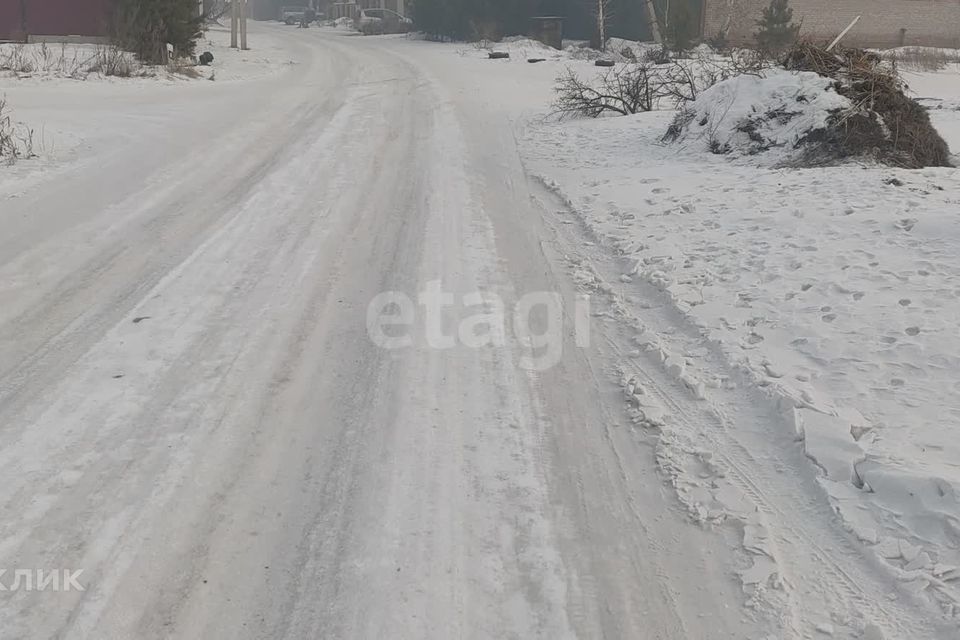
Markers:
835,290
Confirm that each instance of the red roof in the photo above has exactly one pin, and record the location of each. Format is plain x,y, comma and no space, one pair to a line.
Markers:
53,18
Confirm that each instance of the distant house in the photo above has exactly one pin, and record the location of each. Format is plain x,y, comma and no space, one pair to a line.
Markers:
23,20
883,23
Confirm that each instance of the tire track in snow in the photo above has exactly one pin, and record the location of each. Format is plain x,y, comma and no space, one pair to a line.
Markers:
842,582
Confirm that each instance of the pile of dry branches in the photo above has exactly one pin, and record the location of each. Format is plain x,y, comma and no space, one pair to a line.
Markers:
884,122
623,90
647,84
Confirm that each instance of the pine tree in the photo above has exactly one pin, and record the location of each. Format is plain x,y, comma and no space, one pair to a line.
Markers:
777,30
145,27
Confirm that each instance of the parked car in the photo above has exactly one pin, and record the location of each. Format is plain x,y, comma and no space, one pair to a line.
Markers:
293,15
381,21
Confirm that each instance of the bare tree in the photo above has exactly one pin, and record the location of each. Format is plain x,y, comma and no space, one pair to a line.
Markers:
652,21
603,15
623,90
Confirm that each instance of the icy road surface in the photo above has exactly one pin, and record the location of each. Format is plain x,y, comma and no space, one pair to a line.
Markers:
193,414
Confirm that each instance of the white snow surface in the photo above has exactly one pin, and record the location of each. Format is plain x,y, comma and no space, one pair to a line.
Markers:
46,63
835,291
193,414
769,114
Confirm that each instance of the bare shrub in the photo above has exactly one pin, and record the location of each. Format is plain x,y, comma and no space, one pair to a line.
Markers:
647,85
922,58
622,90
110,60
15,141
658,55
17,59
22,59
684,79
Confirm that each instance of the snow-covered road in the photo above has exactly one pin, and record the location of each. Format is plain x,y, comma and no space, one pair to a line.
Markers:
194,414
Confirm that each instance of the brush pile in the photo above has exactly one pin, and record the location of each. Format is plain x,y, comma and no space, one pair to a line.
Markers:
815,108
883,123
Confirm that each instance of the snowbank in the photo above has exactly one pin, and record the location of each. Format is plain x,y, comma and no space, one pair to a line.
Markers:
775,114
834,291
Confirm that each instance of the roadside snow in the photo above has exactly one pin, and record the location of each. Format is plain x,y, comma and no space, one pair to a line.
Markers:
24,64
836,290
63,106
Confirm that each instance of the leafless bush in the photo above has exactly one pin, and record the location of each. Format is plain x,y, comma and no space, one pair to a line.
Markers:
684,79
645,85
622,90
66,62
17,59
922,58
110,60
659,55
15,141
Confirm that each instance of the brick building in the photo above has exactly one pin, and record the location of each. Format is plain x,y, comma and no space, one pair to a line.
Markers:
884,23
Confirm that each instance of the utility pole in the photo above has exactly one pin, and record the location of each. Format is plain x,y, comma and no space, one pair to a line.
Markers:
234,22
243,24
